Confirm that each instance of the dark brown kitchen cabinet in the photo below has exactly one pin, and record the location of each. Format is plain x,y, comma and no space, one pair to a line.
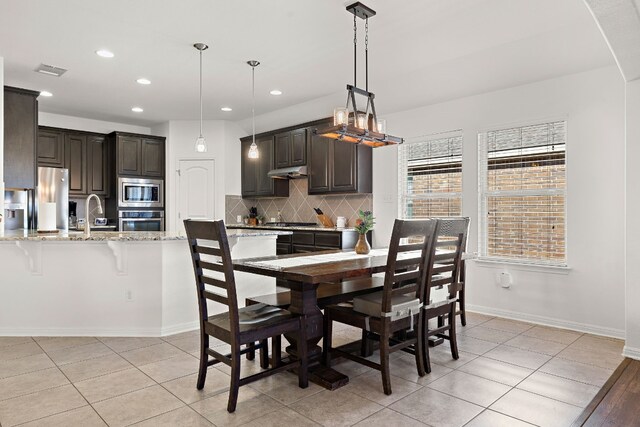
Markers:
338,167
318,164
254,172
129,155
139,155
283,150
75,154
20,135
50,147
291,148
248,170
152,157
97,165
266,185
85,154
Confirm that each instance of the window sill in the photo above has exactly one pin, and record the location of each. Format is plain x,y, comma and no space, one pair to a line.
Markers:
522,266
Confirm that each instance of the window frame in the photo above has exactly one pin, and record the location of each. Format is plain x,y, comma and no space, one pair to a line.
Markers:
483,195
403,197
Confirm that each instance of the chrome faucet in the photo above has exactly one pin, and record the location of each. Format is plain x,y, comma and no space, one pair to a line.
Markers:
87,227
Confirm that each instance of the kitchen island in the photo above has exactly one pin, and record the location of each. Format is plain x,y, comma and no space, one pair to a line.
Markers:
111,283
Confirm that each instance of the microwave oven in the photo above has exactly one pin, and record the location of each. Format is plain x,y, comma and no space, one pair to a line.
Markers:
140,193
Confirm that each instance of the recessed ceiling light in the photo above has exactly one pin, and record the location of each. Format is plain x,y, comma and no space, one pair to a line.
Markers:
105,53
137,110
144,81
276,92
46,93
227,109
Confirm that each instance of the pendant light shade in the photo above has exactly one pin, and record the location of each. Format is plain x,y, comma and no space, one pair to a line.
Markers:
253,148
201,143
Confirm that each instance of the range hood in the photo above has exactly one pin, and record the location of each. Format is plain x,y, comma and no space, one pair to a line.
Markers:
288,173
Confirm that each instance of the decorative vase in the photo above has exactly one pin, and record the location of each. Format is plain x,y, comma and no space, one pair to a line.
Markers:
362,246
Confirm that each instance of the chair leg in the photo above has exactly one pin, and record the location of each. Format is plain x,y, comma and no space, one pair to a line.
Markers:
425,344
326,339
384,363
303,369
251,355
463,312
264,354
419,347
453,340
204,358
235,379
276,351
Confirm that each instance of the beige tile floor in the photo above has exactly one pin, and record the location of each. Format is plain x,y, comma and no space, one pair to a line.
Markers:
509,374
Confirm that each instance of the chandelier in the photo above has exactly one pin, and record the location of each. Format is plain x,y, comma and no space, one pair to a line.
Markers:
349,123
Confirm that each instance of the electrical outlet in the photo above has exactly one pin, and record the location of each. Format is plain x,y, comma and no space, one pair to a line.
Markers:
128,295
505,279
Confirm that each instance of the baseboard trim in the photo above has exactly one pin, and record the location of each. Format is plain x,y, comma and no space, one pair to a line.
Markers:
99,332
631,352
183,327
80,332
549,321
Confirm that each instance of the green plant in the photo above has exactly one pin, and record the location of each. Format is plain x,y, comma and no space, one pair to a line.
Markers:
365,222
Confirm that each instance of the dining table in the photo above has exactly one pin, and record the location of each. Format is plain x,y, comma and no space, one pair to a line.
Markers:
301,274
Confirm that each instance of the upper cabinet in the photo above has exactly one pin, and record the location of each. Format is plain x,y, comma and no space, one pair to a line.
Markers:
333,167
139,155
337,167
291,148
85,154
255,181
20,134
50,147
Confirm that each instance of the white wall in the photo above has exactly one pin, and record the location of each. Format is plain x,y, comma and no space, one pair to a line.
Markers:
589,296
89,125
223,147
632,232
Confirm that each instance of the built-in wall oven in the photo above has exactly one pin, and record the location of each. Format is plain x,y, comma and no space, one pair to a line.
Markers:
140,193
138,220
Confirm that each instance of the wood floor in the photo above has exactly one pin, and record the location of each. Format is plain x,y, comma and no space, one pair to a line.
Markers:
618,402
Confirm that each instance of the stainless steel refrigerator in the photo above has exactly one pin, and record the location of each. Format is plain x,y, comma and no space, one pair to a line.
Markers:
53,187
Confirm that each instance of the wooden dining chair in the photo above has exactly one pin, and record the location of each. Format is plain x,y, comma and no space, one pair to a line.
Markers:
449,230
397,307
238,326
443,277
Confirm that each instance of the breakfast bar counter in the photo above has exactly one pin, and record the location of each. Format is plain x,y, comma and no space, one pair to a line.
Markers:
111,283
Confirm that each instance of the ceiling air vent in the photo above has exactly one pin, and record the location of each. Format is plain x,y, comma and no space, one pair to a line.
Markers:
50,70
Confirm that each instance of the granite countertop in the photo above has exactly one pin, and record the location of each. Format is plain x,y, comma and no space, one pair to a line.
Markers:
131,236
274,227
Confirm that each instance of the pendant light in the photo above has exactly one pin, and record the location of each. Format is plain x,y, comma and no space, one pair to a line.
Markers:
351,124
201,143
253,148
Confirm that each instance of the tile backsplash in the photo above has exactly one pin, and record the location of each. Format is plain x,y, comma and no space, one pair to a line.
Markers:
298,207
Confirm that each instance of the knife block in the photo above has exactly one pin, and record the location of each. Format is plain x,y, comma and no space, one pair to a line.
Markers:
325,221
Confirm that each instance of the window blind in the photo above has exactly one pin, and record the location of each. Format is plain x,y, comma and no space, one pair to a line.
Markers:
430,176
522,186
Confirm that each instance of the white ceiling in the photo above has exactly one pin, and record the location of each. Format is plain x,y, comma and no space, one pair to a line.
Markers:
421,51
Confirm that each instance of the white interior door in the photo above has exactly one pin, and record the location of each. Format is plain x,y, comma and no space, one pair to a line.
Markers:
196,191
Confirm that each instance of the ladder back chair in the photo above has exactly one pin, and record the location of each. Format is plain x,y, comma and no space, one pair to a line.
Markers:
215,281
443,278
398,307
450,229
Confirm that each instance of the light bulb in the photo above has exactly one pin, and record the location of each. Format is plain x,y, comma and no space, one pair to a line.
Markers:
362,122
201,144
253,151
382,126
340,116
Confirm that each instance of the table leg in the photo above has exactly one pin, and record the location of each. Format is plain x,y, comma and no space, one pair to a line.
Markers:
304,301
